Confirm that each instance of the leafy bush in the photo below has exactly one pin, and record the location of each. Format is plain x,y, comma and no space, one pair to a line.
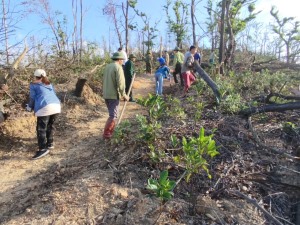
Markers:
194,152
148,131
121,131
232,103
163,187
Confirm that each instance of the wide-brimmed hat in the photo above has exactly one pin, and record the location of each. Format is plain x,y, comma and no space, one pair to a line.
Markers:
176,49
131,56
118,55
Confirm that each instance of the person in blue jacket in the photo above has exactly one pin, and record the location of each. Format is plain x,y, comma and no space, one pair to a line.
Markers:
46,106
161,73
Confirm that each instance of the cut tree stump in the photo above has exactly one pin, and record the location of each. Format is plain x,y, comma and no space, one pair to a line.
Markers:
79,87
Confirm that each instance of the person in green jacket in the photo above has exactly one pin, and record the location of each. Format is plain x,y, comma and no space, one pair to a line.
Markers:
128,72
148,60
113,91
177,63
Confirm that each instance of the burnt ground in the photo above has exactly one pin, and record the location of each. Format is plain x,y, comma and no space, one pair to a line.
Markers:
86,180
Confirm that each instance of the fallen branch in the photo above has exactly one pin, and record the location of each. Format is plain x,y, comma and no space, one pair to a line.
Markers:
254,202
270,108
96,67
290,97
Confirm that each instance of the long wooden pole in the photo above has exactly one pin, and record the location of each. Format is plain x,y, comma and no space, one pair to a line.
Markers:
130,87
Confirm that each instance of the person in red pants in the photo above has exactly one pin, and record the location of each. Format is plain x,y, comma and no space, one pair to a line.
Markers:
187,69
113,91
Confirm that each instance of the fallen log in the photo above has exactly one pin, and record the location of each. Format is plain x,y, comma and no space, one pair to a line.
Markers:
209,81
286,97
270,108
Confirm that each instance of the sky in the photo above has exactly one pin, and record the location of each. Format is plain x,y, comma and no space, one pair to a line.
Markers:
97,26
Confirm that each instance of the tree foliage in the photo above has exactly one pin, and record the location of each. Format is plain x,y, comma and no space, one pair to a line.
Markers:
288,31
178,25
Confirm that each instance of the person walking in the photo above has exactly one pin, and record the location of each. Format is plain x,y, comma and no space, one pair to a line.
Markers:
177,64
148,60
113,91
46,106
129,72
166,57
197,57
187,69
212,57
161,73
125,56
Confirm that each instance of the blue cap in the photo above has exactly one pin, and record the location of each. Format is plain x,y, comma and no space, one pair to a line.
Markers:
161,61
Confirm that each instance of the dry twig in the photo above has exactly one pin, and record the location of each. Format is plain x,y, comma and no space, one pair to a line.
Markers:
254,202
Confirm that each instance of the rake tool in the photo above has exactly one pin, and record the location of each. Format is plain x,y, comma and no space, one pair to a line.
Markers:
123,109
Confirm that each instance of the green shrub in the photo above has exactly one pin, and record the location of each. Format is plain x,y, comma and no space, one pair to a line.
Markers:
195,151
163,187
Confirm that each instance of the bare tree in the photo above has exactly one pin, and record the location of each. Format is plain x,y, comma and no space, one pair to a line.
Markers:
43,9
74,34
81,30
4,25
110,9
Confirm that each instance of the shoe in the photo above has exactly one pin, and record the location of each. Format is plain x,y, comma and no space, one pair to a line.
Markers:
40,153
50,146
109,128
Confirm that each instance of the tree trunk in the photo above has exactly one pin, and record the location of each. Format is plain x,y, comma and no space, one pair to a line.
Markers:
209,81
231,46
160,47
287,52
5,31
81,28
74,34
193,22
222,29
270,108
126,26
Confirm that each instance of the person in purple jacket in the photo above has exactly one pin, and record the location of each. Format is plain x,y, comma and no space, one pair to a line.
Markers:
46,106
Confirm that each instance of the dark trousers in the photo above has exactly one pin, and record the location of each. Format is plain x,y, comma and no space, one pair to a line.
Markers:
128,82
44,130
113,108
178,71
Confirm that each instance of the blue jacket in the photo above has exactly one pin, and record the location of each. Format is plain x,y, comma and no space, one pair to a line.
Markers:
41,95
164,70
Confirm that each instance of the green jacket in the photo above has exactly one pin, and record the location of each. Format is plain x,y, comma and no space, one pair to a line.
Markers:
128,71
113,81
178,58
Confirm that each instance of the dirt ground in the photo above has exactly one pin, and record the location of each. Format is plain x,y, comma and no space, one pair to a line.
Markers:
86,180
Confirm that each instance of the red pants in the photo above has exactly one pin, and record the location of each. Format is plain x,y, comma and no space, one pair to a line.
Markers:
188,78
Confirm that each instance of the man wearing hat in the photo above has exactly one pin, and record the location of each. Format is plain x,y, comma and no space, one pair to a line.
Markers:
128,72
113,91
177,63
